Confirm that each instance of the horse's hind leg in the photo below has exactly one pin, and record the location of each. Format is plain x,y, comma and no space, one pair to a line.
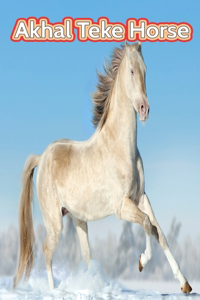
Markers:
131,213
53,223
145,206
82,231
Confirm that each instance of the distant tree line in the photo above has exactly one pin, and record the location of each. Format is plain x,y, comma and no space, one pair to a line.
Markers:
118,259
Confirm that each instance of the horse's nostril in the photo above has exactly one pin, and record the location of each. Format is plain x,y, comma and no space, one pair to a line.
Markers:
148,110
142,108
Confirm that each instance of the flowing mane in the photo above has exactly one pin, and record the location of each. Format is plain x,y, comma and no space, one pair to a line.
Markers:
101,98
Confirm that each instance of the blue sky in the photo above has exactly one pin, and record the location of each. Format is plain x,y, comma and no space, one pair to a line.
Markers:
45,95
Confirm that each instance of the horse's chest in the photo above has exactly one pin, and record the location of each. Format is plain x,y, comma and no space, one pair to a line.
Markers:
130,180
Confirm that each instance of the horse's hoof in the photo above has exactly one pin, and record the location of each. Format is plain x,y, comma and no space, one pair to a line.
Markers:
186,288
140,265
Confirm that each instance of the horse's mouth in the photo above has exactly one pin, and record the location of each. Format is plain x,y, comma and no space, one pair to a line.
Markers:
143,118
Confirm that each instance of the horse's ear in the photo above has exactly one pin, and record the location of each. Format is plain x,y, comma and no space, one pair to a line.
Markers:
127,46
139,47
136,46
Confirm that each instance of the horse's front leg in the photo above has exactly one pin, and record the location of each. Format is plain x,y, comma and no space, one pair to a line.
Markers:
131,213
145,206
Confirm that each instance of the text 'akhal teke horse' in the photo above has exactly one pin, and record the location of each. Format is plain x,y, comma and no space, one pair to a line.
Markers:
96,178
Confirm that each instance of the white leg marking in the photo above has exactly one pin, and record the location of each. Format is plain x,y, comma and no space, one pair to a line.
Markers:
50,279
145,206
146,256
175,268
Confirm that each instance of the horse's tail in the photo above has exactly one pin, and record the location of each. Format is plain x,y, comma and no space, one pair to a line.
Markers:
26,231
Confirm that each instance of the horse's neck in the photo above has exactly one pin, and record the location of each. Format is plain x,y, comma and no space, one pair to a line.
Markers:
120,127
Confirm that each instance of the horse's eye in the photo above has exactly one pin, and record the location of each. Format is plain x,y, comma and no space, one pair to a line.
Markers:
132,72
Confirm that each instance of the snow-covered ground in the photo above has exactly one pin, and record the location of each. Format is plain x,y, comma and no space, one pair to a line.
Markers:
90,284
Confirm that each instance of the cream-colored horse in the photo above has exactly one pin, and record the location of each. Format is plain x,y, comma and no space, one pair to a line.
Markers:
96,178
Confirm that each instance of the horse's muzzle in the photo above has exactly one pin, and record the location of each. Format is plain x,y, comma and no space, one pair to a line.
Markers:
144,111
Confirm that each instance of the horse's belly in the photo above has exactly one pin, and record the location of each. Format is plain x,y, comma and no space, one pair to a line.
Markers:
89,205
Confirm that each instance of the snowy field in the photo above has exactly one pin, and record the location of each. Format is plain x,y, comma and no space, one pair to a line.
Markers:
90,284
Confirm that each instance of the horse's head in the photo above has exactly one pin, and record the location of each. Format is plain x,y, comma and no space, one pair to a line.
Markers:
135,80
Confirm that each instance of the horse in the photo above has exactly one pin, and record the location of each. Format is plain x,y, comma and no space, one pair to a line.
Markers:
93,179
